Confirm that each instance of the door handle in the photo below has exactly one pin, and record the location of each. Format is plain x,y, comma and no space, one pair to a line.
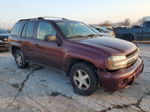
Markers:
20,41
38,46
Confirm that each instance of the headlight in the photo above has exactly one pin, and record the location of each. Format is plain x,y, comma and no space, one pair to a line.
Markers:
112,33
117,62
5,39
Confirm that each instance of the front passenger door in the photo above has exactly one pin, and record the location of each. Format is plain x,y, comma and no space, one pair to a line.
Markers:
47,52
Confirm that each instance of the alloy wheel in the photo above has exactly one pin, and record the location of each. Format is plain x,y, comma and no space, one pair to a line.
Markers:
81,79
19,59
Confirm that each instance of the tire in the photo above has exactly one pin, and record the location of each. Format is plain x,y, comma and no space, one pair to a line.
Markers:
128,38
20,60
89,79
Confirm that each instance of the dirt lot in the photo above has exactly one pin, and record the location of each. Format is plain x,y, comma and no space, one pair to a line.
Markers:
39,89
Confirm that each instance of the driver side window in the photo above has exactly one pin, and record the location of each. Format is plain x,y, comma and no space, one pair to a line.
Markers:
45,29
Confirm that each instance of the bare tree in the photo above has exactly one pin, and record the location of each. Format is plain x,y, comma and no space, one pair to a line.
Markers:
105,23
127,22
141,21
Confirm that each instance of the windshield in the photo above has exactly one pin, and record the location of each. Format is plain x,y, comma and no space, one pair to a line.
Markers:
3,31
73,29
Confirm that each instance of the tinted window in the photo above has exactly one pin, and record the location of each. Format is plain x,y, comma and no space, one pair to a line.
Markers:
148,24
45,29
24,30
17,28
30,29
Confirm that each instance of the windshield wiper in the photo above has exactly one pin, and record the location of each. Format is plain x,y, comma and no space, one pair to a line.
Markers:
92,35
80,36
75,36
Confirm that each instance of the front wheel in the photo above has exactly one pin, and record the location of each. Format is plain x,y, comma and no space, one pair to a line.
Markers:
83,79
20,60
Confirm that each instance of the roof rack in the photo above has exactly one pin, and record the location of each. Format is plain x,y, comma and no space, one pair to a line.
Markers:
30,19
42,18
49,17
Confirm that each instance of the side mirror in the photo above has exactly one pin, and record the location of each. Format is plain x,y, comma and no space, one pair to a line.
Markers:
53,38
50,38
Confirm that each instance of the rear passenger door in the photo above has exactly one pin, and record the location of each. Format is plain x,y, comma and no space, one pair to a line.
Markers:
27,38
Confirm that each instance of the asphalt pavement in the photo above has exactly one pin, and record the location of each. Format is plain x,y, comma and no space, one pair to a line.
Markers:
39,89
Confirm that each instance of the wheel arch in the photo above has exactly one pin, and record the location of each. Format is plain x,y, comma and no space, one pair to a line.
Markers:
129,34
72,61
14,49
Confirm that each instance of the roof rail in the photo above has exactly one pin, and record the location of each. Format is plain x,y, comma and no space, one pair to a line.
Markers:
42,18
30,19
49,17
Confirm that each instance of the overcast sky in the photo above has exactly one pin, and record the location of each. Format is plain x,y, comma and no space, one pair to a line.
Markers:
88,11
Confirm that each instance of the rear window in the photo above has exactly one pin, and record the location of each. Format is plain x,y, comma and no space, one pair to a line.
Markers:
17,29
30,29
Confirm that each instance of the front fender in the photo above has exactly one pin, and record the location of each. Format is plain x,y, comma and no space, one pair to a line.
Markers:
97,62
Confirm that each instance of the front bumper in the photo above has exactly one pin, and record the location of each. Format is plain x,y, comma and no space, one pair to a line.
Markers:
112,81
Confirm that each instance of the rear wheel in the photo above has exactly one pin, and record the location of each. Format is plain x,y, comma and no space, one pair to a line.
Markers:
20,60
83,79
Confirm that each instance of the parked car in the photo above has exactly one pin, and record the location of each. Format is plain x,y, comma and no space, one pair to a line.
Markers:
76,49
104,31
101,34
3,39
136,33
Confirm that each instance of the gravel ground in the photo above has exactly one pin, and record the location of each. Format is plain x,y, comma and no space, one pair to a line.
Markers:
38,89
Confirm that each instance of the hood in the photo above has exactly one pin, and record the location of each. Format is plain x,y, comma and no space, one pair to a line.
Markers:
110,45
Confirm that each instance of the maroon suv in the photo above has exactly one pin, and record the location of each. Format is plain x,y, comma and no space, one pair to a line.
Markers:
74,47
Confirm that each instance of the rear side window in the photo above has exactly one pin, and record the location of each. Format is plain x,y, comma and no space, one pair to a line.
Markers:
148,24
17,29
30,29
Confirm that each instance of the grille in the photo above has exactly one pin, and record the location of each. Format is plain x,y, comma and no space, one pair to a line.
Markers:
132,57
